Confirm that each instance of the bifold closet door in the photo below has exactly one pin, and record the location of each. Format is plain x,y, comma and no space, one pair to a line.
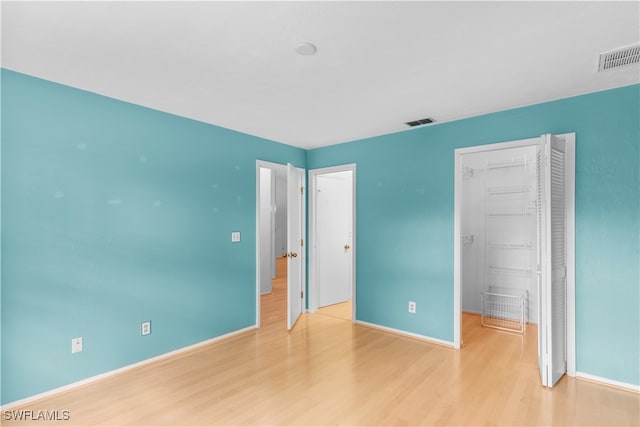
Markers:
552,259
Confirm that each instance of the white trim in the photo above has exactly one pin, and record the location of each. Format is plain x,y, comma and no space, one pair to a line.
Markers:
312,196
570,139
313,291
98,377
607,382
394,331
570,200
457,251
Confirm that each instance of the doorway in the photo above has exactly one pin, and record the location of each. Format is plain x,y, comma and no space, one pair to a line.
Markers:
280,261
332,289
499,229
507,207
272,250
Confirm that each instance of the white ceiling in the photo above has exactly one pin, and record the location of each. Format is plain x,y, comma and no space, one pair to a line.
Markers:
378,64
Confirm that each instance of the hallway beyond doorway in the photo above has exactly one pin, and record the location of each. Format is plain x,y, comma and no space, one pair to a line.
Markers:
273,306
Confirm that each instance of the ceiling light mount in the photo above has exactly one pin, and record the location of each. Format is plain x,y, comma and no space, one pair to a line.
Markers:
306,49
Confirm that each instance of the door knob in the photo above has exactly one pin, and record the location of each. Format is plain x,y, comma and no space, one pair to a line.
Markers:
347,247
294,254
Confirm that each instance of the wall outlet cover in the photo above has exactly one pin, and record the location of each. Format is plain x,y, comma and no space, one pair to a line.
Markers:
412,307
145,328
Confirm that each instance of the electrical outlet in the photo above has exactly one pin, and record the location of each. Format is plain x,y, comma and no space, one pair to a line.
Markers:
146,328
76,345
235,236
412,307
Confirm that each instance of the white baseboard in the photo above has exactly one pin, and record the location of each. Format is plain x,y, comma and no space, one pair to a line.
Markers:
98,377
448,344
607,381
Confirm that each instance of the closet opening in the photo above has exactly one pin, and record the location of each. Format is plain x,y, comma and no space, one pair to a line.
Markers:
499,250
514,249
499,239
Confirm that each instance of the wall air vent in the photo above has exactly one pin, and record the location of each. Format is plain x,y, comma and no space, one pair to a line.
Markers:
619,57
420,122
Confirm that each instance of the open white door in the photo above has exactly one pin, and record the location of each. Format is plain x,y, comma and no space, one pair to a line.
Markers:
295,252
552,259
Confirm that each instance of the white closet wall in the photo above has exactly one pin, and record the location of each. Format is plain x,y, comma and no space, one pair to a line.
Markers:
473,224
499,226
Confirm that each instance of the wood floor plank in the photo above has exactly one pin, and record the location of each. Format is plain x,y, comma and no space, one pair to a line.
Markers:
328,371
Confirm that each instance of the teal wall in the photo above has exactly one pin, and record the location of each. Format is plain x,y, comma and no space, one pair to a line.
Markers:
113,214
405,202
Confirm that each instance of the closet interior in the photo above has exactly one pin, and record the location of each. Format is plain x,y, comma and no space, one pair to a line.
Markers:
499,237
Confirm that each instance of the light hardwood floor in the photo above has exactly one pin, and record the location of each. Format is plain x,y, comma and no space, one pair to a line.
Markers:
273,306
339,311
328,371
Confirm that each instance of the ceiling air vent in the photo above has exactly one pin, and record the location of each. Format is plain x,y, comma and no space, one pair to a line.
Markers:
420,122
619,57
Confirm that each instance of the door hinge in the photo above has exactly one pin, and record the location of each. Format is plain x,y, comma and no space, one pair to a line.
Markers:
301,190
301,294
301,242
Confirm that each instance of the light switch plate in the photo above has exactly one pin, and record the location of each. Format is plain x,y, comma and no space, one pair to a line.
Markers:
76,345
235,236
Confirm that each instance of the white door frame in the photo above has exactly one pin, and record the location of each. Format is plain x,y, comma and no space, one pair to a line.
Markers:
313,283
268,165
570,139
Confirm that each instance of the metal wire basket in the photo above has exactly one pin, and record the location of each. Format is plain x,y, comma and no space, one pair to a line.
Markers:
504,309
